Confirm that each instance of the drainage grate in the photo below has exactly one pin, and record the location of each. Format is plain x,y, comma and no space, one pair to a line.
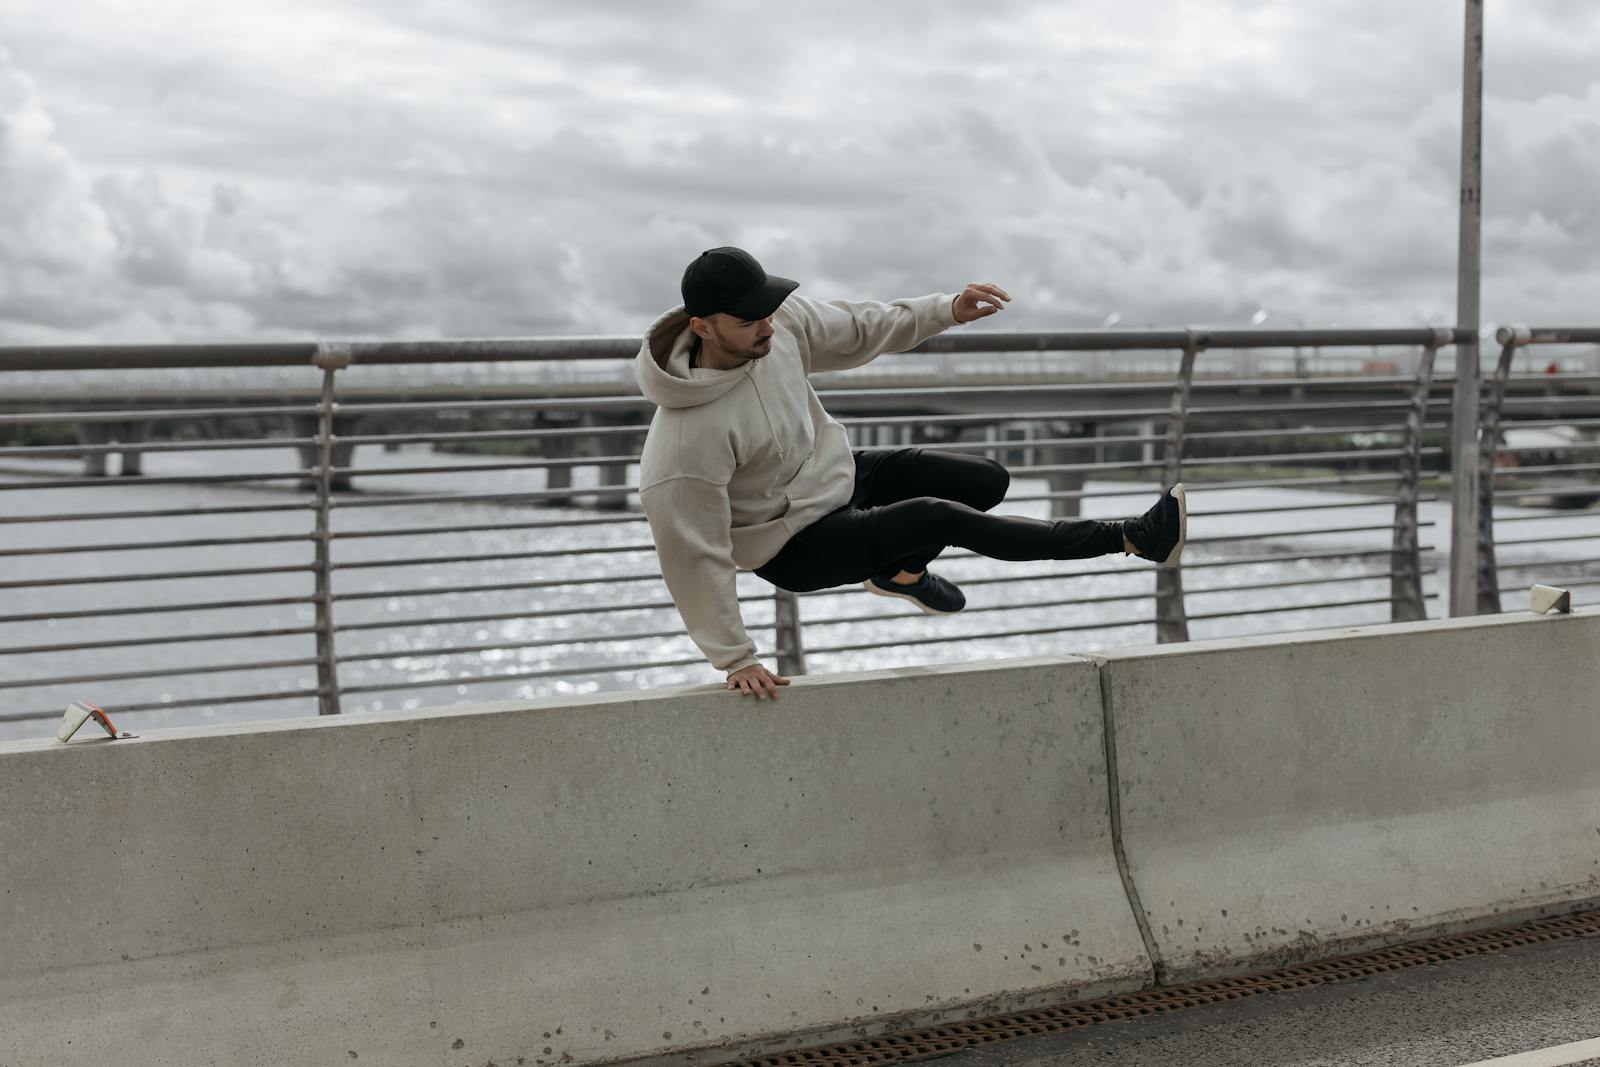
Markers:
953,1037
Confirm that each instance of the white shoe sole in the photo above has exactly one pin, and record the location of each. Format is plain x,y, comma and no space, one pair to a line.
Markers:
1183,526
879,591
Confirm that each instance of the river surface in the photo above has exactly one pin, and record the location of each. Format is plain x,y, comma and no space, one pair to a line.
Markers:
586,650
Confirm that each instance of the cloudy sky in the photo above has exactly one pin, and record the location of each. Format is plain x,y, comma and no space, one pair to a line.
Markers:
423,168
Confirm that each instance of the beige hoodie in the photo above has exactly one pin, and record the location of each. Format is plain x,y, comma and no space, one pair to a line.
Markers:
739,461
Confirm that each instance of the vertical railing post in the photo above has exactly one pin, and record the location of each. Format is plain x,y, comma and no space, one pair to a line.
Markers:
332,358
1406,602
1172,621
791,648
1464,418
1510,338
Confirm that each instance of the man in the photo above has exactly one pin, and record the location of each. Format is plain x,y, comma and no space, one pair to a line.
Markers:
742,467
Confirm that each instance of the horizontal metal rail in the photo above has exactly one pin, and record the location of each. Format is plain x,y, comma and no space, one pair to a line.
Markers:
302,353
578,671
500,587
1546,424
493,527
1587,535
70,451
48,418
986,635
542,495
535,613
1559,468
1575,446
1278,608
156,513
1275,509
216,700
438,651
155,576
1299,483
1298,583
1551,491
1552,516
1572,581
1028,605
490,557
156,609
1261,535
1591,400
175,671
1547,335
1292,557
142,546
1034,577
1522,565
531,433
145,481
527,496
165,639
639,429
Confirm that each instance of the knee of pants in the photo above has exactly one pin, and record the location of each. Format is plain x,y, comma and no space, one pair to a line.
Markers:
996,484
921,525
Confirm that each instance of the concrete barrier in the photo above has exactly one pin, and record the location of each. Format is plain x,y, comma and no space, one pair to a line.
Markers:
614,877
1299,796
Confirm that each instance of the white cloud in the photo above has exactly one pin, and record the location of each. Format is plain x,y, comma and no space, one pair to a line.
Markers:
496,168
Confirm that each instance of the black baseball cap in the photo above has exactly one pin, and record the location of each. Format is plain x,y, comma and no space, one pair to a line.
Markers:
730,280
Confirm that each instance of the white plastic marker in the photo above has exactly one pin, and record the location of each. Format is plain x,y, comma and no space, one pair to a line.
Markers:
78,712
1547,599
1554,1056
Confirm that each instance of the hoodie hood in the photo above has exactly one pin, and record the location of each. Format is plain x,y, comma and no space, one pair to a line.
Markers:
662,366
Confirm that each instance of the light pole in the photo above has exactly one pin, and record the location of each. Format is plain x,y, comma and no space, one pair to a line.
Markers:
1464,406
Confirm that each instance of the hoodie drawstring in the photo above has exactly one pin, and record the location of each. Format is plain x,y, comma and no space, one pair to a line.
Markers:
773,430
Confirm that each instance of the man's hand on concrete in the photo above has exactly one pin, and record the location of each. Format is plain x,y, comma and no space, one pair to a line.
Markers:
756,680
978,300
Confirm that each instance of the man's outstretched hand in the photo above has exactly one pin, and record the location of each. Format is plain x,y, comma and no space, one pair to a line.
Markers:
978,300
755,680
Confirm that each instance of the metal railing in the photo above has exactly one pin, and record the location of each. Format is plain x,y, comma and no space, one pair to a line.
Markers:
1314,499
1563,475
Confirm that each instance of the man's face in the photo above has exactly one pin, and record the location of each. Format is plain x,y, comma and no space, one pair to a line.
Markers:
742,338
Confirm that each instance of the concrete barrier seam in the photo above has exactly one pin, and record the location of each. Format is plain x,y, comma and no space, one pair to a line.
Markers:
1113,785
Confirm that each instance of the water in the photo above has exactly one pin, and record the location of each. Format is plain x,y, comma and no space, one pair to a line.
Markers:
398,650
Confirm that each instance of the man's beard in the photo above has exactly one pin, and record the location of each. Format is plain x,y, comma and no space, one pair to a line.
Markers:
759,350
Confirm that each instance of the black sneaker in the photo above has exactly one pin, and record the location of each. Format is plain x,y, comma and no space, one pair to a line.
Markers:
1159,533
933,594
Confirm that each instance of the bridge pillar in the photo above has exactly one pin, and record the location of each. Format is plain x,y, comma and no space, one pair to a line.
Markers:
97,464
131,433
558,478
1064,507
94,433
612,475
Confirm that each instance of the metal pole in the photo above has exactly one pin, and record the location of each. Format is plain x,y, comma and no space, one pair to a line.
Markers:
332,358
1464,409
1172,621
1488,573
790,641
1406,602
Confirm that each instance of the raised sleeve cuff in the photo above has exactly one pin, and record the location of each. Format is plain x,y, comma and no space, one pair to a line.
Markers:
946,315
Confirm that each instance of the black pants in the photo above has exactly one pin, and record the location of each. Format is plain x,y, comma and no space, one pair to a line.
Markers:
910,505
